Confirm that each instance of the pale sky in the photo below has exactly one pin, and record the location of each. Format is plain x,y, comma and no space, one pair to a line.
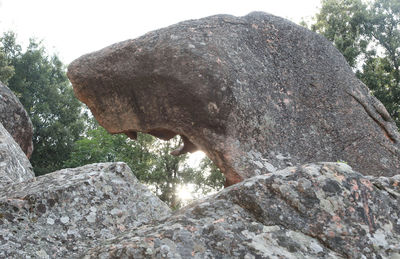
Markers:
75,27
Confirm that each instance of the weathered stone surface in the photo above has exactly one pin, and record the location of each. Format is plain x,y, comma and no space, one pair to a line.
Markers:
255,93
322,210
14,165
16,120
60,214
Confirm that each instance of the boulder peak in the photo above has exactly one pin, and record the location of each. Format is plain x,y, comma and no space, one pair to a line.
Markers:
255,93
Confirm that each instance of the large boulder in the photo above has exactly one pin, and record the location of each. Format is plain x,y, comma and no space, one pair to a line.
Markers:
16,120
62,214
323,210
14,165
254,93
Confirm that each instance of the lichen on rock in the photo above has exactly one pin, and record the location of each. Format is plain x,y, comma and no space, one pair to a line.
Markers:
255,93
322,210
261,96
14,165
60,215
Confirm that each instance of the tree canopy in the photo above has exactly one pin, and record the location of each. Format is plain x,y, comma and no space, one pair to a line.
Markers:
40,82
6,71
150,161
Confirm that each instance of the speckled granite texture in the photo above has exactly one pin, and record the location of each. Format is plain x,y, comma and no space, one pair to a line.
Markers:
323,210
61,214
14,165
255,93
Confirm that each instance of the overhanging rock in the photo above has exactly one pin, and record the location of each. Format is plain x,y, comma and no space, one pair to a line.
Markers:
255,93
62,214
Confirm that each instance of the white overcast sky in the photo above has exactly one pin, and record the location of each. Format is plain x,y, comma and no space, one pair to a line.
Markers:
72,28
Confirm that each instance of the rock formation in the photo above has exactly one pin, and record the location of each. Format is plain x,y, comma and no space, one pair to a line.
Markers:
14,165
240,89
62,214
255,93
15,119
322,210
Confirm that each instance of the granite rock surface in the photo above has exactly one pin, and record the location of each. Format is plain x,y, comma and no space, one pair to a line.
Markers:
320,210
16,120
62,214
255,93
14,165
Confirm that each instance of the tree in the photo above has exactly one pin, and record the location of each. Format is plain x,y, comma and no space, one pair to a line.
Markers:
41,84
168,172
150,161
99,146
342,22
208,178
368,35
6,71
381,71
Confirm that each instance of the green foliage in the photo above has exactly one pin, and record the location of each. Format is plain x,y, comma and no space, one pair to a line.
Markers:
150,161
168,172
41,84
6,71
100,146
208,177
368,35
342,22
381,71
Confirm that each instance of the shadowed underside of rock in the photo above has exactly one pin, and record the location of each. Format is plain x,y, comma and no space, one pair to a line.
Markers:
255,93
322,210
64,213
